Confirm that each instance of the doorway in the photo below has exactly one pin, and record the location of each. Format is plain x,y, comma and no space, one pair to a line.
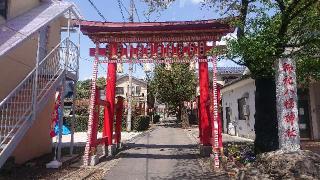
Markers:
304,113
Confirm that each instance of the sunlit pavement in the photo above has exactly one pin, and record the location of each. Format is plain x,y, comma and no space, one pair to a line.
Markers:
164,153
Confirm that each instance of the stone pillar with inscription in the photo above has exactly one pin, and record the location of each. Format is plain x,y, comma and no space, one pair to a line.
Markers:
287,102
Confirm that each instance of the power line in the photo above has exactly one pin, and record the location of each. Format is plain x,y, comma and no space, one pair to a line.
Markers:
131,17
89,60
121,11
124,7
135,8
95,7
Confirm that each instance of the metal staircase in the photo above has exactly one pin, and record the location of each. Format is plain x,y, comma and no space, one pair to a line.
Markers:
20,108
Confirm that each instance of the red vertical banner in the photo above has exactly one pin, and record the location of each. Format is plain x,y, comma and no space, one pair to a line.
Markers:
124,53
201,49
175,50
154,50
165,50
192,49
186,52
131,52
170,47
149,50
119,113
180,50
135,53
140,48
119,50
160,50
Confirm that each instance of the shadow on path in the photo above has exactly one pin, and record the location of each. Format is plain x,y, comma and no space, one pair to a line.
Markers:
165,153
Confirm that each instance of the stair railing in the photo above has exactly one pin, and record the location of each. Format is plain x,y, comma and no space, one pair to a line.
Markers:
18,107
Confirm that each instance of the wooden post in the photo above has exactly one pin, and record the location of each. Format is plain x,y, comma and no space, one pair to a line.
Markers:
87,152
215,122
199,118
119,113
95,122
219,119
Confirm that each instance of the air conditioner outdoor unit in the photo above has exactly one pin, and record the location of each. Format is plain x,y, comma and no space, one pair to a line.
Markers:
246,110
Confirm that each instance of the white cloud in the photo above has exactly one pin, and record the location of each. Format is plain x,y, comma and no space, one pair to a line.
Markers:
225,38
196,1
182,3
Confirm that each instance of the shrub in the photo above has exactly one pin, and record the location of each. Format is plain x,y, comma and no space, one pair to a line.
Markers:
156,118
140,123
81,123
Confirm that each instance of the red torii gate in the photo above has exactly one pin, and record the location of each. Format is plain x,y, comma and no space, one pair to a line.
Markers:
156,42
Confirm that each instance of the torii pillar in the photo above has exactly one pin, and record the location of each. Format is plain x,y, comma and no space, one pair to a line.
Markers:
110,99
205,134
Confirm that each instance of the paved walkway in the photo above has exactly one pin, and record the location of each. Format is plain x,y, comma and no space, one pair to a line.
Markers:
165,153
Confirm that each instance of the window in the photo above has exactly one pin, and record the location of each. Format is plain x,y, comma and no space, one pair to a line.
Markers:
138,90
241,105
120,90
3,8
102,94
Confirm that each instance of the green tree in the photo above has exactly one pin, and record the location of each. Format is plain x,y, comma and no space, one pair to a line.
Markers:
83,96
173,86
266,29
84,87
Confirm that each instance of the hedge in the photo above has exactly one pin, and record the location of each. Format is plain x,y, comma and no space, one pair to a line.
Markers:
81,123
140,123
156,118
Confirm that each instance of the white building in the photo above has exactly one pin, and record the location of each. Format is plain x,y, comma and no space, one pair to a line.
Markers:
238,107
238,103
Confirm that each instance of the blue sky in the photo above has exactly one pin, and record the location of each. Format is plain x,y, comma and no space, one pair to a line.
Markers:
179,10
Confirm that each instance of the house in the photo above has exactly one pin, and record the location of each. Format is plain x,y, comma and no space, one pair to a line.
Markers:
224,75
238,107
34,64
139,91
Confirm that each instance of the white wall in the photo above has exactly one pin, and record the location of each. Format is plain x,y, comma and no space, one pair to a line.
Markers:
230,95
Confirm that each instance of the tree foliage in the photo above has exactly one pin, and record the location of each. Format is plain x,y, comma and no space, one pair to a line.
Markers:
84,87
266,31
173,86
268,28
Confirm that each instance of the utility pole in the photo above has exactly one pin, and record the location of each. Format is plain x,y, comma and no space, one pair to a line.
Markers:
130,75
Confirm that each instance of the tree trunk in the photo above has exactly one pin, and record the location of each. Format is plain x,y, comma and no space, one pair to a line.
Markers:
179,114
184,118
266,124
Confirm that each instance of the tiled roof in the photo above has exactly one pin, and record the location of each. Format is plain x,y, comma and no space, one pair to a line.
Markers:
20,28
237,80
133,78
230,70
